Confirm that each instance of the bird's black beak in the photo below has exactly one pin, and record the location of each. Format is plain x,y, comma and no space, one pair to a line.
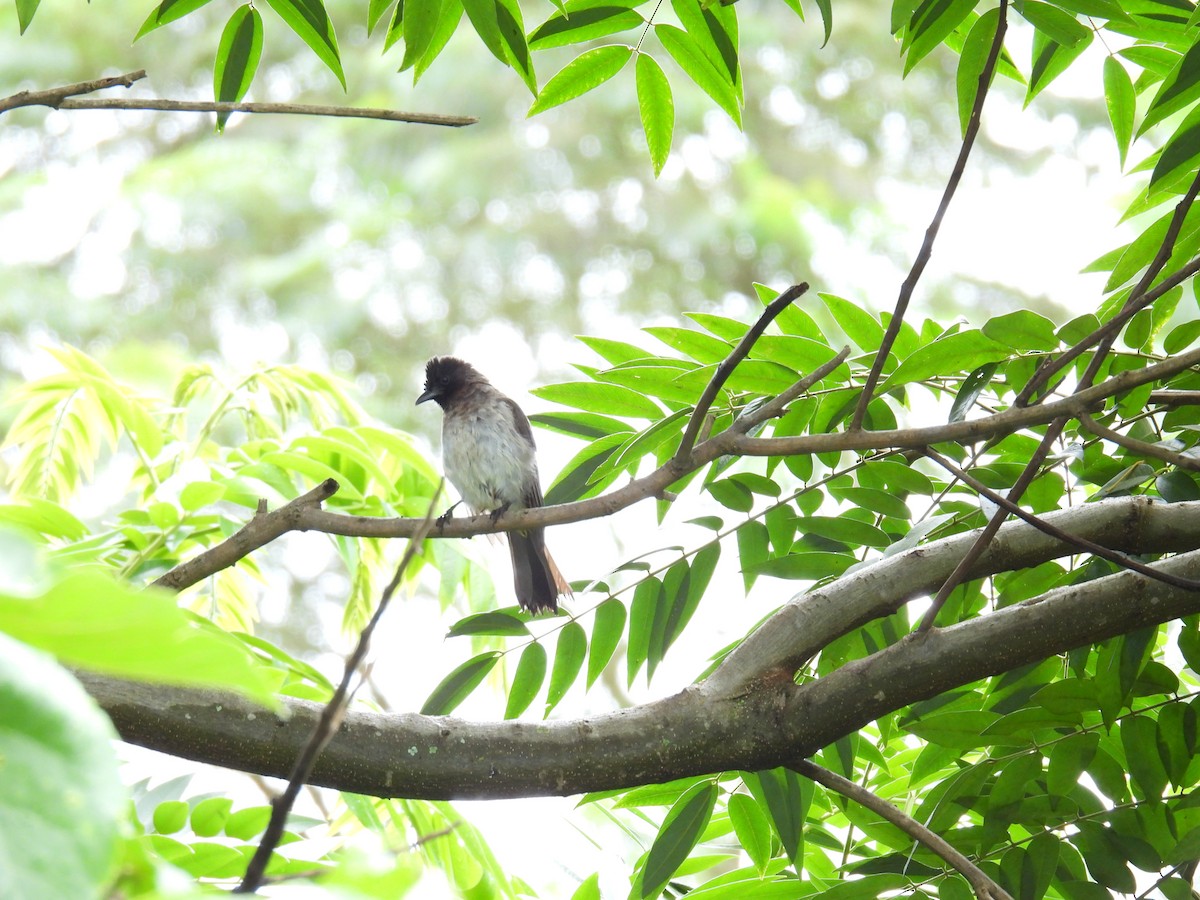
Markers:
427,395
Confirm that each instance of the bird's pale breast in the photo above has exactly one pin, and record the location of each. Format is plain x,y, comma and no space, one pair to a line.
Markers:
485,457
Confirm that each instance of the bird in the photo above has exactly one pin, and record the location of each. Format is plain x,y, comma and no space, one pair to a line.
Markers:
489,456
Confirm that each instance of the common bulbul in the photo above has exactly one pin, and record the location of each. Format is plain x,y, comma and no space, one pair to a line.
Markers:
489,457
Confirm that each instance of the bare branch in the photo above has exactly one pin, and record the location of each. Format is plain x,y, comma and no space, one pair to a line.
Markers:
778,405
258,532
926,251
1142,448
288,109
725,369
959,575
54,97
984,887
57,98
327,724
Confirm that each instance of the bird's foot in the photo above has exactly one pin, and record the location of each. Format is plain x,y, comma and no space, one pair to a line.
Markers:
499,511
446,517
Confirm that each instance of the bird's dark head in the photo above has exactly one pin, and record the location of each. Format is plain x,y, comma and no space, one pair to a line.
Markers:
445,376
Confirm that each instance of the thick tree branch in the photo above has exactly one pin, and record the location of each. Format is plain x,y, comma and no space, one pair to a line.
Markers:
743,717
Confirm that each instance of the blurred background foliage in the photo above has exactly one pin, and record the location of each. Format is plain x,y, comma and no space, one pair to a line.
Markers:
364,246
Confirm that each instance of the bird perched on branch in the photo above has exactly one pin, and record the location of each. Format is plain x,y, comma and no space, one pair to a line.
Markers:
489,457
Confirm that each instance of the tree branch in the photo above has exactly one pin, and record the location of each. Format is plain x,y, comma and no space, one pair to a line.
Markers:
327,722
926,251
309,516
53,97
1141,448
984,887
57,98
725,369
730,721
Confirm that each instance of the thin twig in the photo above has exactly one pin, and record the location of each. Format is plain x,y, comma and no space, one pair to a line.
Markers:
291,109
725,369
329,721
1142,448
926,251
777,405
1051,367
959,575
1113,556
985,888
53,97
1175,398
57,98
258,532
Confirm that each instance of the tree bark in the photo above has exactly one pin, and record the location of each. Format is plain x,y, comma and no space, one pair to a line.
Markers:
749,715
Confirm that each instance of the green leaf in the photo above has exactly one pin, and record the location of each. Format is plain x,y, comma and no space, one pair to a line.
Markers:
1139,738
237,58
970,389
1177,486
568,659
688,592
457,686
167,11
493,623
753,550
88,620
419,22
811,566
858,324
209,816
375,11
585,22
971,62
531,672
248,823
576,480
587,71
1022,330
752,829
1051,59
826,9
609,399
964,351
714,28
606,634
932,22
1121,101
787,797
589,888
482,14
657,109
642,612
512,36
844,529
1179,90
700,69
1058,25
62,806
1181,337
25,12
1178,158
309,20
680,831
1069,758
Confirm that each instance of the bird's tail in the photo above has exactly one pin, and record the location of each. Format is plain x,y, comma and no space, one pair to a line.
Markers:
537,580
